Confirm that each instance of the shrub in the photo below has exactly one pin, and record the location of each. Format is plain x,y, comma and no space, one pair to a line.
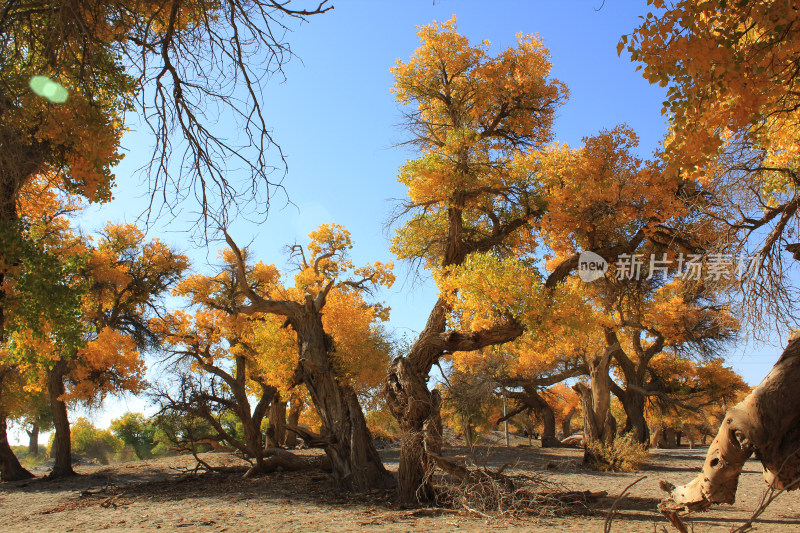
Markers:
135,431
624,454
92,443
27,460
162,450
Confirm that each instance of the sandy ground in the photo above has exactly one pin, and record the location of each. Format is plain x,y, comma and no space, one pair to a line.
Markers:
160,495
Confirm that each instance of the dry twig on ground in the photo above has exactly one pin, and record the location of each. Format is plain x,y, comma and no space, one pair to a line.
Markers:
613,510
492,493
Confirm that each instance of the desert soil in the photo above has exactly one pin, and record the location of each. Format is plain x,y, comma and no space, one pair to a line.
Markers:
163,495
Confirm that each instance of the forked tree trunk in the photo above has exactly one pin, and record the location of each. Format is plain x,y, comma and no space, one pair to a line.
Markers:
251,419
348,444
33,440
530,398
252,443
418,409
634,370
598,423
61,440
251,427
767,421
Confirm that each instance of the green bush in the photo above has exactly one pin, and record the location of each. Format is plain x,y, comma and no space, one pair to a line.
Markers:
27,460
92,443
135,431
162,450
624,454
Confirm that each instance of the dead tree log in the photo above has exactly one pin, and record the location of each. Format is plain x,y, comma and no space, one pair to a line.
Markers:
766,422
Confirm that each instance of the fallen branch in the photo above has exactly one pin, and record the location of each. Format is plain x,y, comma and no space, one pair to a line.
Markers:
278,458
491,493
473,476
312,440
767,498
613,510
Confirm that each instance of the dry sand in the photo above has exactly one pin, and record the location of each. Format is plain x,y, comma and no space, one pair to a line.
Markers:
160,495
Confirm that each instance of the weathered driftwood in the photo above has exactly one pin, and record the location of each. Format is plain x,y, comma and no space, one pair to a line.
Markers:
766,422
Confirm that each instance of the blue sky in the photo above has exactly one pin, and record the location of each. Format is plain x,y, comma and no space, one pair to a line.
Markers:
336,120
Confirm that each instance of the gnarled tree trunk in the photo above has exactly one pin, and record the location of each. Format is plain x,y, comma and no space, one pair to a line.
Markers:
62,446
598,423
530,398
355,462
633,396
347,442
767,422
418,409
545,414
634,403
251,421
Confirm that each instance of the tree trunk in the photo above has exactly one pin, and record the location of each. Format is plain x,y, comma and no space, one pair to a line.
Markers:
276,433
657,437
61,441
252,436
767,421
10,469
598,423
634,403
33,440
634,371
467,430
355,461
545,414
19,160
295,408
566,424
416,409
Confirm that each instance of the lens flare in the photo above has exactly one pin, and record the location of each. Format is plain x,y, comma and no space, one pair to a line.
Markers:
47,88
